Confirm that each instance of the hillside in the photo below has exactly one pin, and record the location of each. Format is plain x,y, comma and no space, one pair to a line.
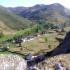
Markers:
5,29
55,13
10,21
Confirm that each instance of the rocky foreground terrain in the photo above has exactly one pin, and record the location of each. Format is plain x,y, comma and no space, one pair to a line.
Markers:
12,62
53,63
15,62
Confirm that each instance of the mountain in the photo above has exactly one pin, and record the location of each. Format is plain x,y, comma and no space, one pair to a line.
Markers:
10,21
23,17
16,9
55,13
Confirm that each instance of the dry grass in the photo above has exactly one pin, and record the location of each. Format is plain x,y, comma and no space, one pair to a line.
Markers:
67,29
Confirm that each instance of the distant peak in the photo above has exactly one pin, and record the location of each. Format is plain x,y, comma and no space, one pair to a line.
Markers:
57,4
38,5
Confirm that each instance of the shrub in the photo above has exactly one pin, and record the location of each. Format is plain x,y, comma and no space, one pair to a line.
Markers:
49,46
46,39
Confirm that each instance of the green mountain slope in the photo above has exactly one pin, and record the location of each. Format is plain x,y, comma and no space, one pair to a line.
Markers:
13,21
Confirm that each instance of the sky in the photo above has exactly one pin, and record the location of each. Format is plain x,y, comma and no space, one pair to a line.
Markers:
28,3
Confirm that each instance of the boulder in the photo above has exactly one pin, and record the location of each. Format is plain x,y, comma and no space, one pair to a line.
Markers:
12,62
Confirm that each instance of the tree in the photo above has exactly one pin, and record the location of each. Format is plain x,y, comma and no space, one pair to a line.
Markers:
37,28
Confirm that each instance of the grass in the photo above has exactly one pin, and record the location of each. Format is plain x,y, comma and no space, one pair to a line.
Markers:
6,37
67,29
37,45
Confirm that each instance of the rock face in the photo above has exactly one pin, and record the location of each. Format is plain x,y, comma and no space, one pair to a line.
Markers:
12,62
64,47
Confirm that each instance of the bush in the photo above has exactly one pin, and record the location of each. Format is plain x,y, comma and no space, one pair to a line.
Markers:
49,46
46,39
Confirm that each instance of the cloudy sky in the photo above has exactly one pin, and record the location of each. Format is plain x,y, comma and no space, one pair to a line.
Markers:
27,3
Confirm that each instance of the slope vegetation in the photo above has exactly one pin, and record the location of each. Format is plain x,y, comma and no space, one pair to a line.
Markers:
12,21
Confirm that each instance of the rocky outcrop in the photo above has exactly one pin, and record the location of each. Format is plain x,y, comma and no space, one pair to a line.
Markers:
12,62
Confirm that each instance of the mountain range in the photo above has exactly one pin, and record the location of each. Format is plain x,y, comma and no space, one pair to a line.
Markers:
23,17
55,13
10,21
